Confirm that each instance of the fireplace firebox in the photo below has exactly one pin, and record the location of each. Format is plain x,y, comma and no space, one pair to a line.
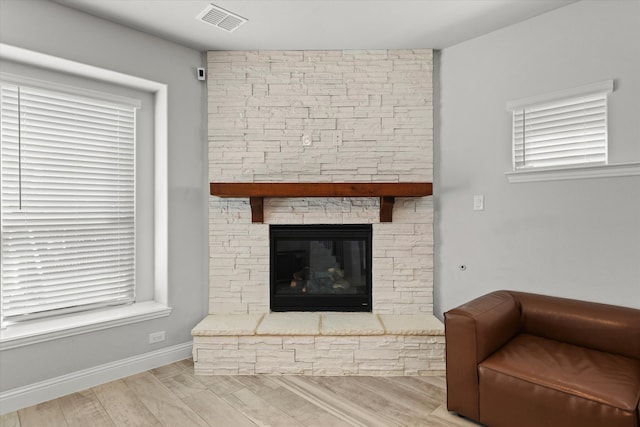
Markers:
320,267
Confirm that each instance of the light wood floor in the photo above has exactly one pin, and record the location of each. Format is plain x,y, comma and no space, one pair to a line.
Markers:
173,396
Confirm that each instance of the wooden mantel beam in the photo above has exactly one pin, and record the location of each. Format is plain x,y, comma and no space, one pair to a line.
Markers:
256,192
320,189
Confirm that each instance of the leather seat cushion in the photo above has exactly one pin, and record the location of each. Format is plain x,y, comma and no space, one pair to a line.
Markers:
553,377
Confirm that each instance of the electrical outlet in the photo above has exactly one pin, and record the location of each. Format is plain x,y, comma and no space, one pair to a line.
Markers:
337,138
155,337
306,140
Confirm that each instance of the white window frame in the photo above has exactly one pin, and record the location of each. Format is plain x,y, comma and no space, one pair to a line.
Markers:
578,171
35,331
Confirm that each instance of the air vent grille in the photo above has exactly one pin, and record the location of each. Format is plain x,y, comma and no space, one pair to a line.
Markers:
220,18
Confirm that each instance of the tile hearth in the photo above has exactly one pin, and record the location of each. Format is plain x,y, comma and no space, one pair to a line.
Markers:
326,343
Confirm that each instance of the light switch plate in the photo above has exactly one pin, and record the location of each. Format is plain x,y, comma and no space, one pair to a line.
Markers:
478,202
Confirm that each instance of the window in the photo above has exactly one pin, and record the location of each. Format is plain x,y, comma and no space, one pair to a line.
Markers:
68,202
563,129
151,182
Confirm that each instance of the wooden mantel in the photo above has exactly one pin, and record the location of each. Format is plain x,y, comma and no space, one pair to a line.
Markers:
256,192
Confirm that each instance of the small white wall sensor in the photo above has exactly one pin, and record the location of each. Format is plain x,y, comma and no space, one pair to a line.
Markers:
202,74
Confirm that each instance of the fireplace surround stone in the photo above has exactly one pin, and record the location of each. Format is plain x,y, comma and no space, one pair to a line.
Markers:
261,106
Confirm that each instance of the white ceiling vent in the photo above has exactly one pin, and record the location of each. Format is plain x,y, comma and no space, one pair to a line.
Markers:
223,19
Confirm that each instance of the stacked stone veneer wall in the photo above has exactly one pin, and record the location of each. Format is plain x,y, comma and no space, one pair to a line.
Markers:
261,104
386,355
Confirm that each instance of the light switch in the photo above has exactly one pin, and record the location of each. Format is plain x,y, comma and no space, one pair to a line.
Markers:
478,202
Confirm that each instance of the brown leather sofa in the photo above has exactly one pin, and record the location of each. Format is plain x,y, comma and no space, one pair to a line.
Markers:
523,360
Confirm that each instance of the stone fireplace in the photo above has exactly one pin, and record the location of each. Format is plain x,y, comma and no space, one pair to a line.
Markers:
320,117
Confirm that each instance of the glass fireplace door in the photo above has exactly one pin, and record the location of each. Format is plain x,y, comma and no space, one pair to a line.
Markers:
320,267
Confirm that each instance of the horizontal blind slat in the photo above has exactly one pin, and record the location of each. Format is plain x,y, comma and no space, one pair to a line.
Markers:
82,276
119,286
569,137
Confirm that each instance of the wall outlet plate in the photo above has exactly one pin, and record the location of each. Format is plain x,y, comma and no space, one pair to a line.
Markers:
478,202
306,140
155,337
337,138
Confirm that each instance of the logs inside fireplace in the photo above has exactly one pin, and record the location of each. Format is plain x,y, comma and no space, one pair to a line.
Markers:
320,267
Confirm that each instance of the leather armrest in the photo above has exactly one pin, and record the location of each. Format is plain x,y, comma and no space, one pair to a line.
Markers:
473,332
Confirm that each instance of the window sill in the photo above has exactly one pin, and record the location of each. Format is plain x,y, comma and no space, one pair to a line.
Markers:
576,172
42,330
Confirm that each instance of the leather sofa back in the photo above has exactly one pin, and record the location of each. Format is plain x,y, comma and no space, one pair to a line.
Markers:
608,328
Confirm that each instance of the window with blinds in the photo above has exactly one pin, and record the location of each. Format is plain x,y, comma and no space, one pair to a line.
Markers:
565,131
68,202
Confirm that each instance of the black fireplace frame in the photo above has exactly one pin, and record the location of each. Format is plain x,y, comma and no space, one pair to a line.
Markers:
321,302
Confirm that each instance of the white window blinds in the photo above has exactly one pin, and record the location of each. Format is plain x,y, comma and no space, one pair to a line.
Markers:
566,131
68,202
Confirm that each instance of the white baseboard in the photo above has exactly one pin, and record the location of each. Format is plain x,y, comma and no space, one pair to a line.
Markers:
43,391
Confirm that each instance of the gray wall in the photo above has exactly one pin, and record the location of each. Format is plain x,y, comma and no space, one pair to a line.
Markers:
577,239
570,238
56,30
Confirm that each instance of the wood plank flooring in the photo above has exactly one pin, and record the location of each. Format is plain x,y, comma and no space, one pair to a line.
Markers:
172,396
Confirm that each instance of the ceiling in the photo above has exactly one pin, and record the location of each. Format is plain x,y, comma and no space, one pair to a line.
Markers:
320,24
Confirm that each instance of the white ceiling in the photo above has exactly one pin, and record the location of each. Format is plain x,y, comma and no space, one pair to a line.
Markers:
320,24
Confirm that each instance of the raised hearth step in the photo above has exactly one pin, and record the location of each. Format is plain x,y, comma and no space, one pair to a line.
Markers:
318,323
319,343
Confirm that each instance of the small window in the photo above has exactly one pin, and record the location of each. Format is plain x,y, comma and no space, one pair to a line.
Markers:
567,128
68,202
